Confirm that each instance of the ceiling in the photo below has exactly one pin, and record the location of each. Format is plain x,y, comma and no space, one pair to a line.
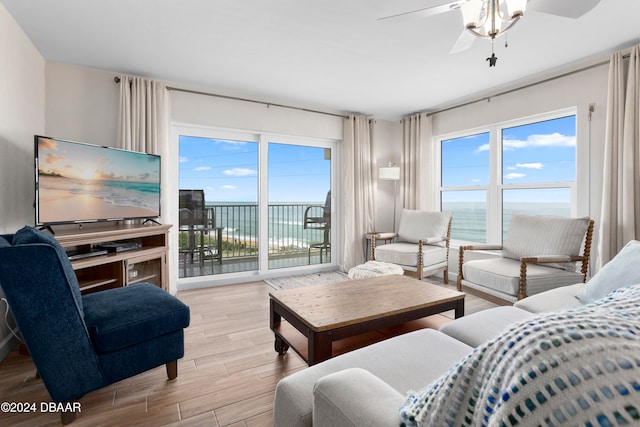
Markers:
332,55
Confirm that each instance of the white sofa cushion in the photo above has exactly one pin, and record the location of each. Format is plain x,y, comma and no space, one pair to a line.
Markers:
407,254
534,235
503,275
344,399
552,300
416,225
484,325
621,271
398,361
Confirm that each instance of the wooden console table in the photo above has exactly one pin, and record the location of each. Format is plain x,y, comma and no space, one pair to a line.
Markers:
145,263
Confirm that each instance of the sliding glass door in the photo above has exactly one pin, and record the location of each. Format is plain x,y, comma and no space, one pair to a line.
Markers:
218,205
252,202
299,205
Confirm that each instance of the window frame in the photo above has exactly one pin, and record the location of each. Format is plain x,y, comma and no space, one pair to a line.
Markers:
494,189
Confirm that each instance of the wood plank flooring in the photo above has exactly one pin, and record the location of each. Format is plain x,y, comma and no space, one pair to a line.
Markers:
227,377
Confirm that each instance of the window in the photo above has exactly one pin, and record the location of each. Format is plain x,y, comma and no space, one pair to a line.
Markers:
524,167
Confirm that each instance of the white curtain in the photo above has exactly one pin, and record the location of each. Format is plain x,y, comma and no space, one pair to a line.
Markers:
417,189
144,116
620,214
357,189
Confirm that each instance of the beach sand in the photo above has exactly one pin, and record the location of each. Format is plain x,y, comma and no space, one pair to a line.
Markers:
62,206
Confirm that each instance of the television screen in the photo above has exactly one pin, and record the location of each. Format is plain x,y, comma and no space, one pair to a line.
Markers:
78,182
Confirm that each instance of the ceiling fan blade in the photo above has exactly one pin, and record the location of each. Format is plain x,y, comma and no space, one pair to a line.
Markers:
429,11
464,42
567,8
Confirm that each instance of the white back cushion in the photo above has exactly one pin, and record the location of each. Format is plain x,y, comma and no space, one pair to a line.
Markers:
621,271
416,225
536,235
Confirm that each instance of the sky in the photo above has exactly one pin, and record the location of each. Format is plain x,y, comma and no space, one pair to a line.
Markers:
227,170
542,152
84,161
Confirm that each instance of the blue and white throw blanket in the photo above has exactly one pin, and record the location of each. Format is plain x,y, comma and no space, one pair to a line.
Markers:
578,367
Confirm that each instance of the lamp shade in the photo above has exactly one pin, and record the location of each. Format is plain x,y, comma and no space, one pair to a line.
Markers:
389,173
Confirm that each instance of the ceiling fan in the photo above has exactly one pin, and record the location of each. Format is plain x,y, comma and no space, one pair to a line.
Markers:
483,15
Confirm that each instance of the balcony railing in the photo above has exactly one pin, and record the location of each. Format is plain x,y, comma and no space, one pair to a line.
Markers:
229,233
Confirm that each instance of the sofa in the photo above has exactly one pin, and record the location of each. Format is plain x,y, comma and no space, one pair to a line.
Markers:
568,354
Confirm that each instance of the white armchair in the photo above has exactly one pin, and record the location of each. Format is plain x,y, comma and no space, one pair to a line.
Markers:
421,244
539,253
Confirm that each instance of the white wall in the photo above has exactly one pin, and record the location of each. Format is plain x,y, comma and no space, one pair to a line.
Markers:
81,104
21,116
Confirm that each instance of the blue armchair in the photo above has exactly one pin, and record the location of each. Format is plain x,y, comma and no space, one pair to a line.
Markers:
80,343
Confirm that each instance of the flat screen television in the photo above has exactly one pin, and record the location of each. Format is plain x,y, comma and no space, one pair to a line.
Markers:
78,182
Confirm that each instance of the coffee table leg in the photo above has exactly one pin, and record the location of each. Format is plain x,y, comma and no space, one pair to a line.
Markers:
459,308
319,347
280,346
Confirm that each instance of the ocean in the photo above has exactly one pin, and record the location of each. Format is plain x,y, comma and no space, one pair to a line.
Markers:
286,221
469,220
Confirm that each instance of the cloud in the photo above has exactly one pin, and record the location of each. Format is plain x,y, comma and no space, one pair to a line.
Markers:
483,147
240,172
52,158
202,168
47,144
183,159
555,139
514,175
228,187
229,145
536,165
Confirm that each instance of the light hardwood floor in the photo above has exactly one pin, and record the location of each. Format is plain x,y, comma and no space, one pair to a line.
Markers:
226,378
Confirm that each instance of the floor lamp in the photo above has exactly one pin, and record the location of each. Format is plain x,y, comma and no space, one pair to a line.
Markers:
391,173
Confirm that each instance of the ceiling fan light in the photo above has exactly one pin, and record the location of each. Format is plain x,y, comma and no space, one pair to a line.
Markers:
516,7
471,13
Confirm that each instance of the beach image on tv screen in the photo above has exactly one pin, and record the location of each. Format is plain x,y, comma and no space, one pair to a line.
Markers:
81,182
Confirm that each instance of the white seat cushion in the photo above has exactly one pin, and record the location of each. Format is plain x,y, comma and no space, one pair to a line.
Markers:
484,325
503,276
552,300
406,254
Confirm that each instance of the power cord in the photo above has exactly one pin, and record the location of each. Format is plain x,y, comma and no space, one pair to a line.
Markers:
6,320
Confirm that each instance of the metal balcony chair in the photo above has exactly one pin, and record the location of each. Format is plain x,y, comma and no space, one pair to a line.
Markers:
317,218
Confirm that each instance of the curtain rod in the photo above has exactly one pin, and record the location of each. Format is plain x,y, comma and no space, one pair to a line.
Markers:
235,98
268,104
549,79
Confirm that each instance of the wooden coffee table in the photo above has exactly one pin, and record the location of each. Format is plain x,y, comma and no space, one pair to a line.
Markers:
330,312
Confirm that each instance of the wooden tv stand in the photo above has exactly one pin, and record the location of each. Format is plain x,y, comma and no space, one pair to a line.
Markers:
146,263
